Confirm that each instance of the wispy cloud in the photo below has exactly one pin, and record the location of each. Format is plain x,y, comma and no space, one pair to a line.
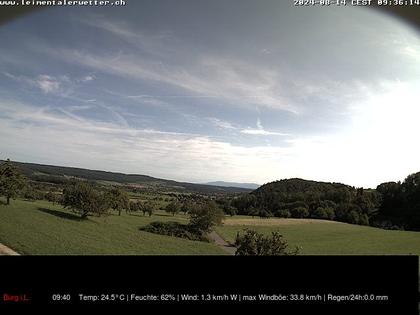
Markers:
228,80
161,153
223,124
18,112
225,78
46,83
61,85
261,132
87,78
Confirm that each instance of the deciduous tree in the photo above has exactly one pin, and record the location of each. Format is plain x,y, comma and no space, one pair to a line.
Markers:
11,180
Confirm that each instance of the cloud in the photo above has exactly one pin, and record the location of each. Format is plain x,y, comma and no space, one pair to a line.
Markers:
156,57
87,78
228,80
47,83
261,132
179,156
222,124
383,130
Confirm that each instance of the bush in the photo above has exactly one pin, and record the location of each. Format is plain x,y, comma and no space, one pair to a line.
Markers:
324,213
353,217
387,225
300,212
256,244
283,213
330,213
203,218
174,229
263,213
364,219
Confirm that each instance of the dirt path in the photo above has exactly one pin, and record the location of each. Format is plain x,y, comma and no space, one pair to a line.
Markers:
219,241
4,250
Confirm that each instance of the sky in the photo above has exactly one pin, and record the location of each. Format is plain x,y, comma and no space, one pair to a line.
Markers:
198,91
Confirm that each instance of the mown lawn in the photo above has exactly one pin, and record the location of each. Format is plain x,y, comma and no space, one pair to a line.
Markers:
42,228
317,237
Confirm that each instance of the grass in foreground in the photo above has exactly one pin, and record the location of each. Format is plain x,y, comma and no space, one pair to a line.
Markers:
41,228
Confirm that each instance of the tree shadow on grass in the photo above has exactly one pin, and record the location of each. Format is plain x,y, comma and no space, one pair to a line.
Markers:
63,215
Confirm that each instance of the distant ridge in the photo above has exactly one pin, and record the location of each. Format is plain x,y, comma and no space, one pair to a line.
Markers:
233,184
61,174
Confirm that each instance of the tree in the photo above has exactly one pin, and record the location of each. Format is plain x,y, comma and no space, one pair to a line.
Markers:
353,217
324,213
299,212
264,213
252,211
118,199
205,216
84,199
133,206
253,243
230,211
364,219
173,207
149,208
227,207
51,197
283,213
187,206
11,180
29,193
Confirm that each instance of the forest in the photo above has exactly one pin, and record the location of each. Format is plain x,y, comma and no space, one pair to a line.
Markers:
392,205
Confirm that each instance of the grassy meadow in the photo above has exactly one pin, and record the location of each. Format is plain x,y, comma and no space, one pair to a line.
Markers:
319,237
43,228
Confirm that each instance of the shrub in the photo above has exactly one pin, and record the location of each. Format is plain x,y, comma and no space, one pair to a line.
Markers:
256,244
174,229
283,213
300,212
324,213
264,213
364,219
330,213
353,217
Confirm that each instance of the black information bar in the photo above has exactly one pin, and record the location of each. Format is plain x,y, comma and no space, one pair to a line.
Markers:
355,283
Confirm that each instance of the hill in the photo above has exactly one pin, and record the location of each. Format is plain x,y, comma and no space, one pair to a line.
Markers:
62,174
233,184
393,205
299,198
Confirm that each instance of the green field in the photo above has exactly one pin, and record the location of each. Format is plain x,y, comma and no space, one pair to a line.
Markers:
41,228
317,237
